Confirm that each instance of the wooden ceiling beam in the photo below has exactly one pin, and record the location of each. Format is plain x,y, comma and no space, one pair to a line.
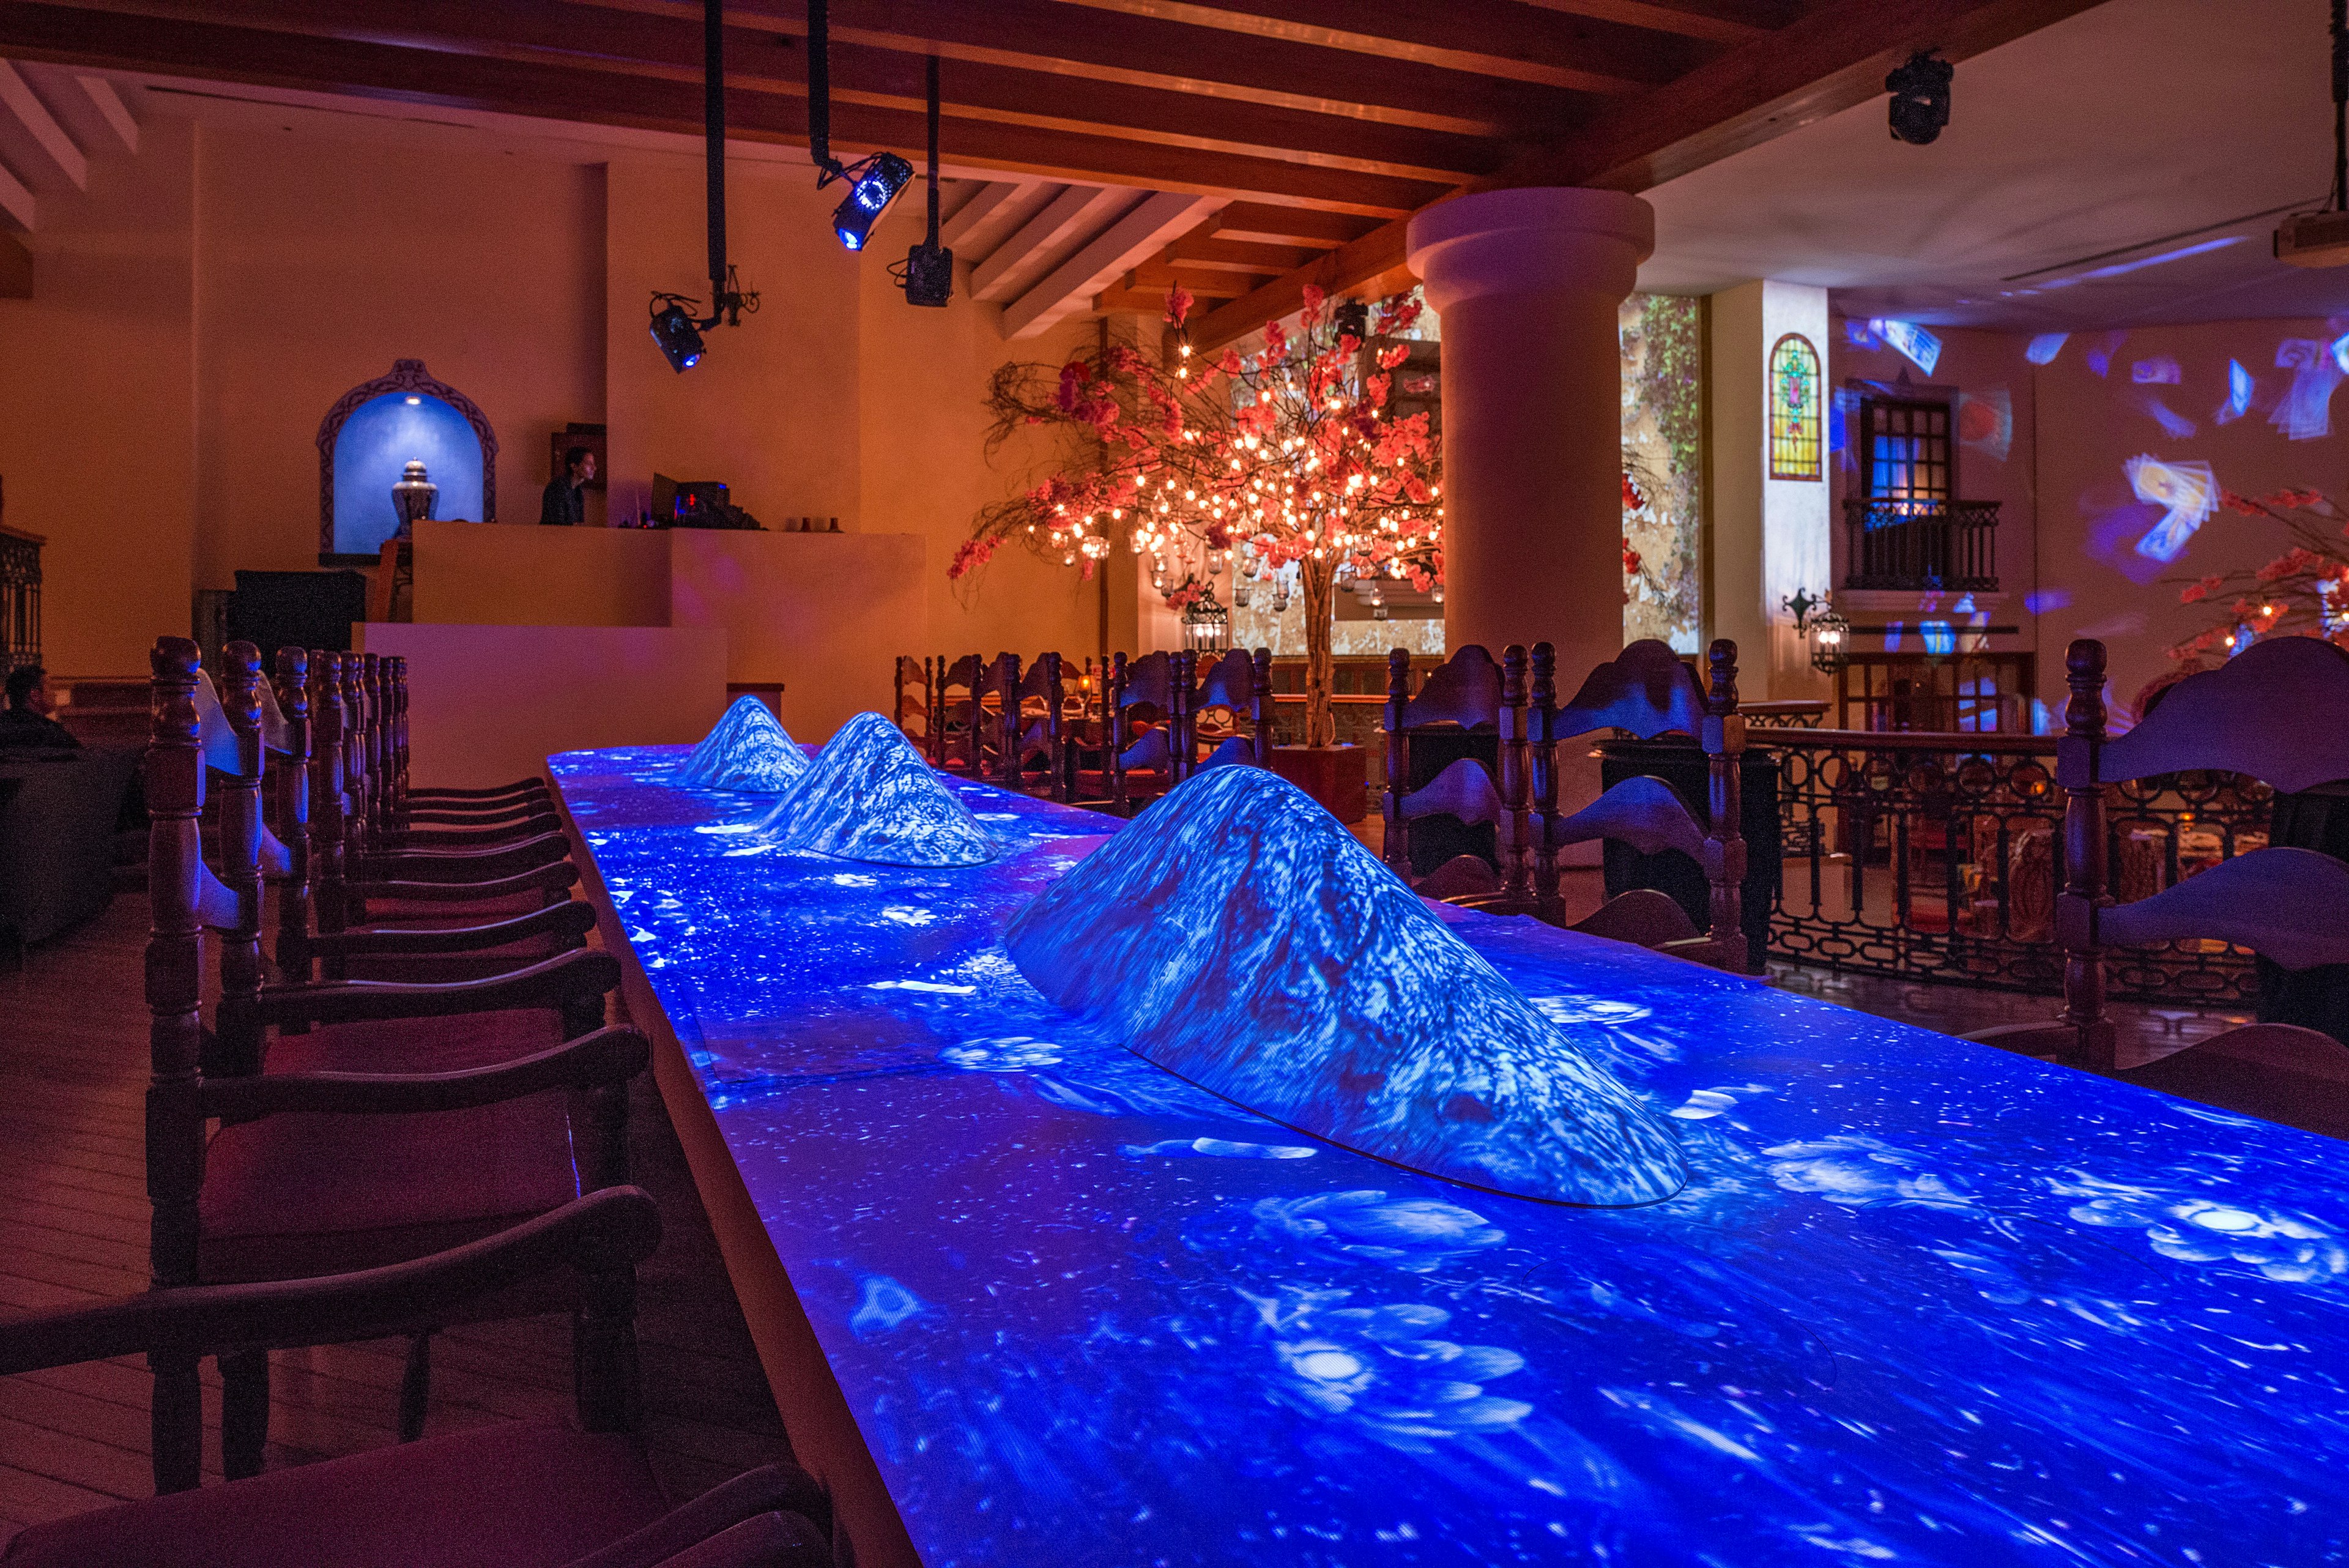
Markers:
106,37
1237,256
1146,52
1070,286
1075,213
1494,38
1832,58
1288,225
590,37
982,222
1715,21
32,142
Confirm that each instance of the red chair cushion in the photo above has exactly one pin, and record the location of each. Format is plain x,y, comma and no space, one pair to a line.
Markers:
507,1496
434,914
289,1197
418,1044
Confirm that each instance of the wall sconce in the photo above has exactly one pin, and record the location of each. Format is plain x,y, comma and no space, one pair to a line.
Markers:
1829,632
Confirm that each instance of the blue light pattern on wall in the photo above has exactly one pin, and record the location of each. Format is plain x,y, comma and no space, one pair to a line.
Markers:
1921,1302
1237,935
746,752
383,435
2187,492
869,797
1920,348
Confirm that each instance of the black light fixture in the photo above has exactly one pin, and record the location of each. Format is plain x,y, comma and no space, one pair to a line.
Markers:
874,183
928,273
673,326
1920,98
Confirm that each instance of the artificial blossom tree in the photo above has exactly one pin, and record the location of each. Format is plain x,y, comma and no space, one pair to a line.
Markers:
2304,592
1286,458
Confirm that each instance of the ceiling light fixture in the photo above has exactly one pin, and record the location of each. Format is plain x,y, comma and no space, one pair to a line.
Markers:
1920,98
874,183
674,327
926,274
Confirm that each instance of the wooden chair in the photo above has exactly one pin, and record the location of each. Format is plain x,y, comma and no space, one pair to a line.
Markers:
2277,711
346,1144
518,1492
910,707
1467,695
954,720
1030,727
1141,766
1648,691
1240,685
528,792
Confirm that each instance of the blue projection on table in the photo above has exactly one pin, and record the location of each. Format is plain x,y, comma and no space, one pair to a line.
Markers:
1240,938
746,752
869,796
1920,1302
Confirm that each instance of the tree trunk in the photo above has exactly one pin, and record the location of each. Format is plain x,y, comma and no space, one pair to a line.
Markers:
1320,592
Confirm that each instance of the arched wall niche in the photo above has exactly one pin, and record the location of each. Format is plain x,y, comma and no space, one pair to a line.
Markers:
386,418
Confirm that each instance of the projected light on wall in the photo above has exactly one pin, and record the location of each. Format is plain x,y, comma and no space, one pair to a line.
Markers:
2174,425
2305,412
2188,493
2100,356
1920,348
1986,423
2161,370
2045,346
2239,387
378,438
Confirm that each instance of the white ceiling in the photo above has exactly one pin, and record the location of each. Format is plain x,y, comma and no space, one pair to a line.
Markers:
2136,128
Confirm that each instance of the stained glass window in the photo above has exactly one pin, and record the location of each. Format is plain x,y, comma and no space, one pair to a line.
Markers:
1793,409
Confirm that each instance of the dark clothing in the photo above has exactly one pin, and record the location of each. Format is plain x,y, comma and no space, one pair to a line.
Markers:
565,505
23,727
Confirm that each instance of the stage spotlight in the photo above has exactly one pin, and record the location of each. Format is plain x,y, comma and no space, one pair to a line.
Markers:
675,331
873,185
926,274
1920,98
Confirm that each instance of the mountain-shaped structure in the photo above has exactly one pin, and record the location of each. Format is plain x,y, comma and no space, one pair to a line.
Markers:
748,751
1239,938
869,796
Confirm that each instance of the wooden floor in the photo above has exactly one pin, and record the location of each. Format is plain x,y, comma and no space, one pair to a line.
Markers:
73,1229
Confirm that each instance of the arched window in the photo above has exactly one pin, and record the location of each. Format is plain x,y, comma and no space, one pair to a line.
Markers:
378,427
1793,409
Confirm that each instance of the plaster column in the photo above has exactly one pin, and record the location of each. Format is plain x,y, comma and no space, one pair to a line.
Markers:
1528,283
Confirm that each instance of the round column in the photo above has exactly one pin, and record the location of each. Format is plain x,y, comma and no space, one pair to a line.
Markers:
1528,283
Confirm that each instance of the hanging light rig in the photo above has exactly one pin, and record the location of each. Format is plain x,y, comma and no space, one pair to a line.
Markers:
673,326
873,184
926,274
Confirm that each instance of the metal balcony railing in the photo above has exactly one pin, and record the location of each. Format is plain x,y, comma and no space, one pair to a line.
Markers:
1921,546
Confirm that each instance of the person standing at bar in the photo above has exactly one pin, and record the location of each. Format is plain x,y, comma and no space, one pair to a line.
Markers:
565,502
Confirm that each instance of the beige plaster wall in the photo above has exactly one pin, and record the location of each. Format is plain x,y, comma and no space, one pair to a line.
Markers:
319,261
95,406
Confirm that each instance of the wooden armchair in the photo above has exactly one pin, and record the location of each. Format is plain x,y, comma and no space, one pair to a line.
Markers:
2277,711
1240,685
523,793
955,714
1648,691
1032,742
517,1493
1466,696
1141,766
394,1121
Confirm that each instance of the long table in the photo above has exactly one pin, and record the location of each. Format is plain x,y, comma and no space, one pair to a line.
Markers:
1026,1299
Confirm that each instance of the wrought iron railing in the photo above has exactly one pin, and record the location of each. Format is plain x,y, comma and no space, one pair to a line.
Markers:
20,598
1921,546
1937,857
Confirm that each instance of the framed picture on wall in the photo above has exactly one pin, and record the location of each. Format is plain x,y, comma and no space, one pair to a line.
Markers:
563,440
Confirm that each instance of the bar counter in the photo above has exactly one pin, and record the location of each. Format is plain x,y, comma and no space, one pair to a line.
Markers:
1027,1299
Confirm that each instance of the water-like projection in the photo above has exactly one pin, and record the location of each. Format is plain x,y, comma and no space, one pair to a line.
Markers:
2239,387
2174,425
1236,935
2188,489
1921,349
2045,346
869,796
2161,370
2305,411
748,751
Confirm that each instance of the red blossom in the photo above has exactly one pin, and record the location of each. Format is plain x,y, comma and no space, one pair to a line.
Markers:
1179,304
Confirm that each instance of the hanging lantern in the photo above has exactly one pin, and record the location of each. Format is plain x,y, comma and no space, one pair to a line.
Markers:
1207,624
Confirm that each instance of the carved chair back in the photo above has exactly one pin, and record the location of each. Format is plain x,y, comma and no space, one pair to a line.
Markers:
1240,684
2277,711
956,714
1647,692
1142,767
1468,694
910,707
1035,731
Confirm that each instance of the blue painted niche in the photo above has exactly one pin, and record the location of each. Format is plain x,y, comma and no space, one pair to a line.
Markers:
375,431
